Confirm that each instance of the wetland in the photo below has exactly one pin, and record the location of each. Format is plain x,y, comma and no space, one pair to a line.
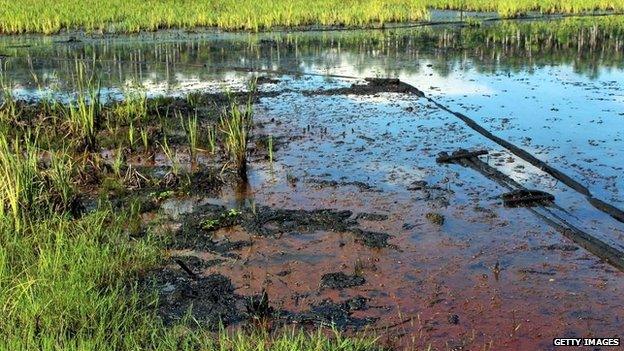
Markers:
454,186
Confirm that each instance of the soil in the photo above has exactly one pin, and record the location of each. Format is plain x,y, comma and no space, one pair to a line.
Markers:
374,86
211,298
340,280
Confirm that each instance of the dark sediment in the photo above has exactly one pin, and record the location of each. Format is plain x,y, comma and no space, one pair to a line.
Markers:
340,280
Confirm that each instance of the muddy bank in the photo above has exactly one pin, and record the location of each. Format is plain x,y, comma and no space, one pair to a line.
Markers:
211,300
373,86
262,221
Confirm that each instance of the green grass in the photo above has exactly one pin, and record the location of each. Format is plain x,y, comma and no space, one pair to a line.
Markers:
38,16
9,111
21,191
172,156
133,108
69,283
145,139
270,148
60,174
235,123
191,128
211,139
83,114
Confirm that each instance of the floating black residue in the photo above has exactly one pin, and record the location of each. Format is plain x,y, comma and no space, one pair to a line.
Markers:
527,198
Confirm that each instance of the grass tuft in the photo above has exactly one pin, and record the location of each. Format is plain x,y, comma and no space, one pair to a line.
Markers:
21,190
236,123
84,112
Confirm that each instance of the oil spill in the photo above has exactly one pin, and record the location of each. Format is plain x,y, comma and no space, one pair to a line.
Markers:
338,230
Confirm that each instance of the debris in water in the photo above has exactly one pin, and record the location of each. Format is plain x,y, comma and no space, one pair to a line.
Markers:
444,157
527,198
435,218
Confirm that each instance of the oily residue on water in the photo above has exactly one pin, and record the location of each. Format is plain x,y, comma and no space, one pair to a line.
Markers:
484,276
354,223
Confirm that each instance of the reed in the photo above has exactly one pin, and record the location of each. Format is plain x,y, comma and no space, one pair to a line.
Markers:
83,113
191,127
211,136
60,175
270,148
235,124
22,185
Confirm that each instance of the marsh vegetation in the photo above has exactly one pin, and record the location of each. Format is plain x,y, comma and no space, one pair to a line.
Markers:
116,16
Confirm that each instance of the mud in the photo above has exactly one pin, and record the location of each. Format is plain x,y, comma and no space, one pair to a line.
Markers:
337,315
435,218
267,80
376,217
340,280
276,222
209,181
211,299
373,86
263,221
324,183
205,104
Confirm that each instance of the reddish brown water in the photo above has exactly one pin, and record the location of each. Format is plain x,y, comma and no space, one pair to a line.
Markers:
488,278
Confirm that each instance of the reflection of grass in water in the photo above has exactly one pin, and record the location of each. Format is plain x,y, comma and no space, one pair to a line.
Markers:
132,16
587,44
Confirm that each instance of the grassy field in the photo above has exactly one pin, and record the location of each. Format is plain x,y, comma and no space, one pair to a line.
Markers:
68,280
37,16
